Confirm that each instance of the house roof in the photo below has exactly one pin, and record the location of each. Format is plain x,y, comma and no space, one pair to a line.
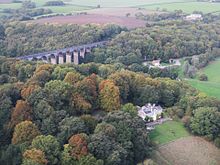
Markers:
149,110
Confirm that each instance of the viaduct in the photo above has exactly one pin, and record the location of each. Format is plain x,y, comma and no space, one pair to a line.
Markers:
67,55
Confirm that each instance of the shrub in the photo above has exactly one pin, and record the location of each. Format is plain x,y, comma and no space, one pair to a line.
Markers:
217,142
203,77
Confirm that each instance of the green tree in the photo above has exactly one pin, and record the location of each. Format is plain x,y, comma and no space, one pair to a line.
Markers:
130,108
25,132
206,122
89,160
50,146
59,93
70,126
21,74
11,155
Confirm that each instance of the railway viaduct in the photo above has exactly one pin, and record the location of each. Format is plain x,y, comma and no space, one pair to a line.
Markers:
67,55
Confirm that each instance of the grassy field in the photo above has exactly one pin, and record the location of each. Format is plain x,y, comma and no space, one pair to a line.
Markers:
167,132
121,3
212,86
67,8
187,7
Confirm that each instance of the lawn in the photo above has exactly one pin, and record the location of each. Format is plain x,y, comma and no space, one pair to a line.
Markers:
212,86
187,7
168,131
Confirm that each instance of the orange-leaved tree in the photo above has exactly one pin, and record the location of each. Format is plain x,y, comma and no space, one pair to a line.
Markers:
109,96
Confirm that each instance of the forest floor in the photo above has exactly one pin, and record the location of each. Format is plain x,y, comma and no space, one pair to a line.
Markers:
189,150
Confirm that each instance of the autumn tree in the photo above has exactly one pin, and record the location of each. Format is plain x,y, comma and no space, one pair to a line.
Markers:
79,104
21,112
78,144
28,90
123,81
88,89
46,67
109,96
41,77
25,132
49,145
34,156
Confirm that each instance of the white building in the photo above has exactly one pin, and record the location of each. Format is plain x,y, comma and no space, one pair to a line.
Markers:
150,111
194,17
156,63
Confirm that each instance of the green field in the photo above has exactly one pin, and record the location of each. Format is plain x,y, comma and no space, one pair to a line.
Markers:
167,132
67,8
12,6
212,86
121,3
187,7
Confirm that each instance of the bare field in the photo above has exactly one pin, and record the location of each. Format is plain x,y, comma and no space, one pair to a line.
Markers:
94,19
188,151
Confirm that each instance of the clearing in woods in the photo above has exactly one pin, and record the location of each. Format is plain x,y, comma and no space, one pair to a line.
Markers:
189,150
212,86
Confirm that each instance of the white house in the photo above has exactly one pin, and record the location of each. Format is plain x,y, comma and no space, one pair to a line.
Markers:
150,111
194,17
156,63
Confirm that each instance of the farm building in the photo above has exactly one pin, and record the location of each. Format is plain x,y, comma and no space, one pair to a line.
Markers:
150,111
194,17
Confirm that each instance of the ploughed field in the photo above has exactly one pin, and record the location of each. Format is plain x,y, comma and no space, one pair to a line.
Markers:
95,19
188,151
